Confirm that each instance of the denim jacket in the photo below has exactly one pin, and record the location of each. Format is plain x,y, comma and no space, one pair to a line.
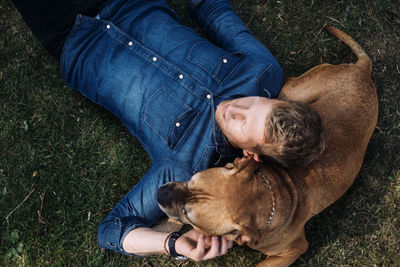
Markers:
164,82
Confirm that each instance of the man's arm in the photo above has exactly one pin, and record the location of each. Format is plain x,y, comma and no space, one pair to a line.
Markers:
126,228
225,28
145,241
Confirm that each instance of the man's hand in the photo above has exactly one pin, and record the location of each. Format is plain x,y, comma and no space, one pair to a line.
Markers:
199,248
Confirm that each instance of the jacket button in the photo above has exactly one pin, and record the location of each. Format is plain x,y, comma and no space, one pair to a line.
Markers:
225,60
177,124
130,43
208,96
180,76
154,59
108,26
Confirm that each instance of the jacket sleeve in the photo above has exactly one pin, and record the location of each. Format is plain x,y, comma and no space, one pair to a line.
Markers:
139,208
225,28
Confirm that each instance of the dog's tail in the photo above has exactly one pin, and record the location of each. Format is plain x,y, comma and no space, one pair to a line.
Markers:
363,59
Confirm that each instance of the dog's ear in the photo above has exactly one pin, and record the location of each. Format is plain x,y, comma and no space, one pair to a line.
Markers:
247,164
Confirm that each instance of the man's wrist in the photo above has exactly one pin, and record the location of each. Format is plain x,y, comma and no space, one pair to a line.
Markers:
170,242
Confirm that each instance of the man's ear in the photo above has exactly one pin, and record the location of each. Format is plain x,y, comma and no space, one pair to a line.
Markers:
248,153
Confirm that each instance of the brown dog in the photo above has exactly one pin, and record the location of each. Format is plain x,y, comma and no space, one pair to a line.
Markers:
266,207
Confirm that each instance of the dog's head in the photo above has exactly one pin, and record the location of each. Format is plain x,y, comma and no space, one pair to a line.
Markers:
218,201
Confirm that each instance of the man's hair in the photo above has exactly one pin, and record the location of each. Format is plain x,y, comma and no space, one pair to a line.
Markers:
293,135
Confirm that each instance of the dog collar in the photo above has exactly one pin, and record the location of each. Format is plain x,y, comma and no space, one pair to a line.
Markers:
272,198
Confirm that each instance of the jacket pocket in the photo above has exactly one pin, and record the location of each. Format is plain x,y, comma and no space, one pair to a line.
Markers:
215,61
169,117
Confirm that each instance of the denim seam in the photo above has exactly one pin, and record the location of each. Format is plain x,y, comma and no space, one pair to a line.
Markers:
213,123
202,156
175,162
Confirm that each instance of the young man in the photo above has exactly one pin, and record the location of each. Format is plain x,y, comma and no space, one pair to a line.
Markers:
191,103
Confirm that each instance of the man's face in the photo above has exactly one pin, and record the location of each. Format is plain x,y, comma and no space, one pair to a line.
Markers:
242,120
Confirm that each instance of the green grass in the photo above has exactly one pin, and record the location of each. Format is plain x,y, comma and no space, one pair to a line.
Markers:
70,158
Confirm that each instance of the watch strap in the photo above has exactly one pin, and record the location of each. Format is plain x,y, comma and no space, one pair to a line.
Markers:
171,246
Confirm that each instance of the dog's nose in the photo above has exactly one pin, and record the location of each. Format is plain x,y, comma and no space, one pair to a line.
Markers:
169,193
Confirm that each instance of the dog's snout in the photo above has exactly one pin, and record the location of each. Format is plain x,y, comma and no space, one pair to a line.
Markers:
169,193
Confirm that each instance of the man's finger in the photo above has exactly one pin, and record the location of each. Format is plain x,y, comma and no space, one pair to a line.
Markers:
200,246
225,245
214,250
207,241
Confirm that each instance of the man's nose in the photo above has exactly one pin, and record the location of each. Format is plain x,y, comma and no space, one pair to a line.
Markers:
240,105
238,112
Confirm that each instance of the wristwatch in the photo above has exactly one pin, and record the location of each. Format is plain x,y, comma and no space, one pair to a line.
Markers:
171,245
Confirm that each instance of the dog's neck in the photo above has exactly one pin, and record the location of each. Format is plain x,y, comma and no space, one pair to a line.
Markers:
272,213
278,190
